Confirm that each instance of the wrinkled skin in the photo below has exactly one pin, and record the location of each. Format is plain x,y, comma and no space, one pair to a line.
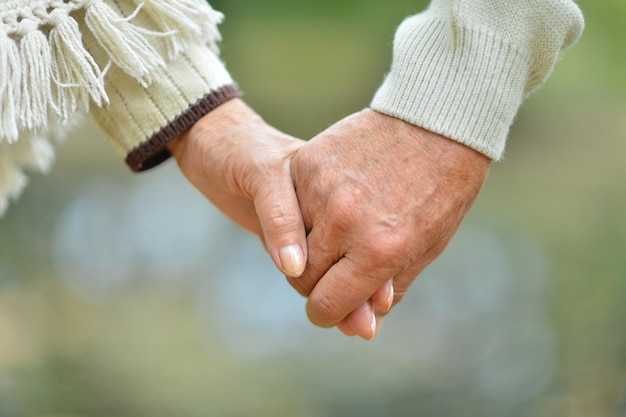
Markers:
242,165
380,199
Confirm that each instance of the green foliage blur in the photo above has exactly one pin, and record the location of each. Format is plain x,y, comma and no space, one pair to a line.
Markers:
97,322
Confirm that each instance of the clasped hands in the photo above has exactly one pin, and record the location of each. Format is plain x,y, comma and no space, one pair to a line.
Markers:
351,217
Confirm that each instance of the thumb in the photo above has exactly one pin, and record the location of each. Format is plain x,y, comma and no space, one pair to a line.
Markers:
277,207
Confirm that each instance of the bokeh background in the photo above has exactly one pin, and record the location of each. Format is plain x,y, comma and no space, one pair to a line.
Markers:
129,295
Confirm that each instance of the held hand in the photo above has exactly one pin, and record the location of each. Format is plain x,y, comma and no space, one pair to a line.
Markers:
242,165
380,199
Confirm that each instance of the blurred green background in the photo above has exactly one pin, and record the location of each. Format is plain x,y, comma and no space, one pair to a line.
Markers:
128,295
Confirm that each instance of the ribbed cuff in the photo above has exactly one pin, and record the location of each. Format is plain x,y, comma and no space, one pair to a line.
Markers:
153,151
464,84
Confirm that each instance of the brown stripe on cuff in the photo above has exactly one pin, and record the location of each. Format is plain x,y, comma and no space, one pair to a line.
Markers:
153,151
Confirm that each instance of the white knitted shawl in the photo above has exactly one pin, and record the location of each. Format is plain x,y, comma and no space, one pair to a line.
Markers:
47,74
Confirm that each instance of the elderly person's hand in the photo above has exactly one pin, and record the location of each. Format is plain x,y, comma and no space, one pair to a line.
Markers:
242,165
380,199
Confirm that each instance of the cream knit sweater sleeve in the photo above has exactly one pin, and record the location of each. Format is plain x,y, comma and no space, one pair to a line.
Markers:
146,70
463,67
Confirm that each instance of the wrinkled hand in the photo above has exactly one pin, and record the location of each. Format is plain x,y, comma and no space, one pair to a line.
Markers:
242,165
380,199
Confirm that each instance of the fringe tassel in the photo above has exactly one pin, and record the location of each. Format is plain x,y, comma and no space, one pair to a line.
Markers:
78,76
189,20
47,74
124,42
212,34
9,88
36,62
45,68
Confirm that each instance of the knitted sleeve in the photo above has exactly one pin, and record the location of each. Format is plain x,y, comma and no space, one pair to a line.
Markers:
463,67
146,70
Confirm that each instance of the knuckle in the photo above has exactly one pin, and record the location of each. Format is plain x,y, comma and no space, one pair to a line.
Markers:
280,220
343,210
322,310
389,248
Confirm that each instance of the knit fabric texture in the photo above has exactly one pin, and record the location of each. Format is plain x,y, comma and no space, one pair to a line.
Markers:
463,67
146,71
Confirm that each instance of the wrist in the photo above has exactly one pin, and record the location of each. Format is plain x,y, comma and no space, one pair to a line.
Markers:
447,151
217,119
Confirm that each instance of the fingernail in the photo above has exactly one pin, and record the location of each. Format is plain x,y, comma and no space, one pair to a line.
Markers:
292,260
390,296
373,326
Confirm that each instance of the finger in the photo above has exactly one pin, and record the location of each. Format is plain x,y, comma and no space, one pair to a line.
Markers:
323,252
382,300
345,328
379,324
363,321
283,230
343,289
403,280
